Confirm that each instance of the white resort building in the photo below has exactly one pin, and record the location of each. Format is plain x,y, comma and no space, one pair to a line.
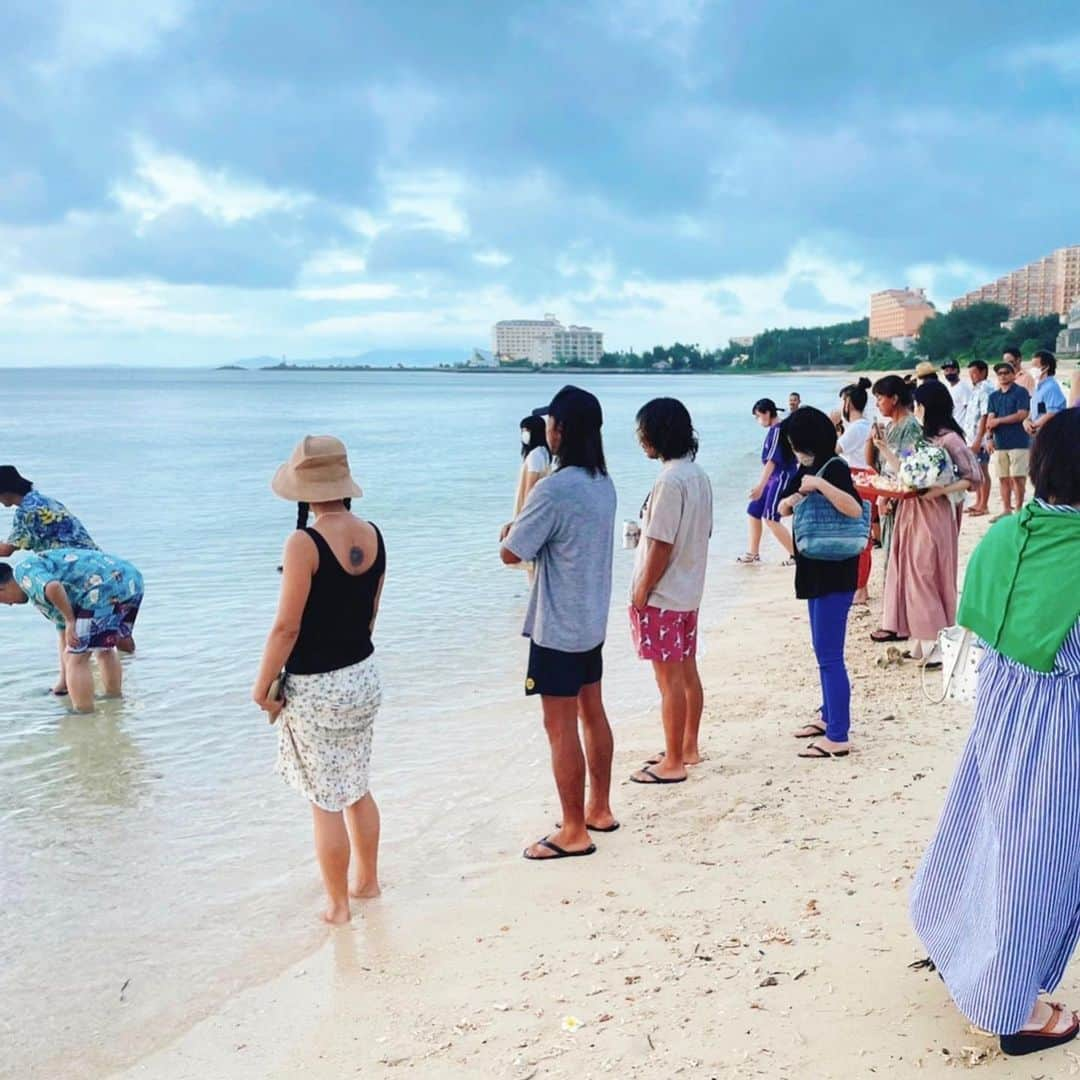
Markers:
546,341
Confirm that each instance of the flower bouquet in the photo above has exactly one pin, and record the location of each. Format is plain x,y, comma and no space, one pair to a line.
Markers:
925,466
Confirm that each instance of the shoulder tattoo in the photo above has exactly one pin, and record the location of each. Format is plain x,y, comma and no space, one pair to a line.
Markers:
356,556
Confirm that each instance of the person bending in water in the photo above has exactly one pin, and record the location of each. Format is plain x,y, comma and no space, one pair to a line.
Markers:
43,524
92,598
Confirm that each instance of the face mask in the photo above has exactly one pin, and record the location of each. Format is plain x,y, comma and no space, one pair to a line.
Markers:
526,438
805,460
1035,372
952,376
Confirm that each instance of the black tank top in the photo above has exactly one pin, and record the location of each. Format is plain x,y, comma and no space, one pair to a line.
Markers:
335,631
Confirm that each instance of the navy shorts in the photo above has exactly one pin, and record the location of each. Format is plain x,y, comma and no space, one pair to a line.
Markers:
767,507
562,674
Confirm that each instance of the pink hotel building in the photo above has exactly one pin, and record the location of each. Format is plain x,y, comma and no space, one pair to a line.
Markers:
1048,287
898,313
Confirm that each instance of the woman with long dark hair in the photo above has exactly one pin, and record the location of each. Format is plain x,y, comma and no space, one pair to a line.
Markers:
920,582
535,464
899,434
320,655
996,900
826,585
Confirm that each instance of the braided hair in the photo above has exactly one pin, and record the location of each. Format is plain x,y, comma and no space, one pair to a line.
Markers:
304,509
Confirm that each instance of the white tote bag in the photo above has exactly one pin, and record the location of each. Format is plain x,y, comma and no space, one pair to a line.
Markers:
960,658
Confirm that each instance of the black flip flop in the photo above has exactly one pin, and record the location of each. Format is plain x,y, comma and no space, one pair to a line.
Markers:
820,753
657,758
595,828
560,853
820,729
656,779
890,635
59,693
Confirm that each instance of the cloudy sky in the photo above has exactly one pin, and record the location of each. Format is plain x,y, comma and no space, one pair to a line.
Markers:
189,182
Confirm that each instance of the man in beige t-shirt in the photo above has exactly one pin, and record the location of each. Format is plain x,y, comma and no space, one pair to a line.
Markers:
669,581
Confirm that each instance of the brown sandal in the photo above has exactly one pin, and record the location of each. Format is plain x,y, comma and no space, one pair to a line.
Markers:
1031,1042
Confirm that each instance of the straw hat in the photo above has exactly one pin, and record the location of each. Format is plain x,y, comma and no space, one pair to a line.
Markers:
317,471
924,369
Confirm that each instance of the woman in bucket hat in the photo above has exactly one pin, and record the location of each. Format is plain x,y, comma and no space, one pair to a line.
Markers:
318,677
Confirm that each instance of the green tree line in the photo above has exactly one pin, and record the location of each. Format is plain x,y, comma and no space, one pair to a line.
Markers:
838,345
963,334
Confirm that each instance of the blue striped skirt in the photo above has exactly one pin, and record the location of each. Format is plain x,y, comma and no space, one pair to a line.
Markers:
996,899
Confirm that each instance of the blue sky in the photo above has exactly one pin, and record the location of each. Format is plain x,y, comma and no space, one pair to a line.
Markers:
186,182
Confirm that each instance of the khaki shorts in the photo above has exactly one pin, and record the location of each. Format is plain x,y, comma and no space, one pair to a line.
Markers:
1010,463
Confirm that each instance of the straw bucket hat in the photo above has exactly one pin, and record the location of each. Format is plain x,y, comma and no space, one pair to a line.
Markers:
317,471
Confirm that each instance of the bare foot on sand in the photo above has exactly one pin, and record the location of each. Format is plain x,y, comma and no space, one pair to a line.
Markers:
364,890
337,914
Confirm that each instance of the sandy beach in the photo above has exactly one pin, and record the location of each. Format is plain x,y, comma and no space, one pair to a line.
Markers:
751,922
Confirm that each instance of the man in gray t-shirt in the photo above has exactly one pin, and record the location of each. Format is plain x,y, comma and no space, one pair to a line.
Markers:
567,526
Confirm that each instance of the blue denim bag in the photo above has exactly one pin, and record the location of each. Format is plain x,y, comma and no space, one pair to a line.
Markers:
822,532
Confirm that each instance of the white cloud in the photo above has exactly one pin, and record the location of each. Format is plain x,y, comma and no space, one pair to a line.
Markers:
91,34
428,199
334,261
362,222
669,25
492,258
356,290
48,302
165,182
1061,56
945,281
402,108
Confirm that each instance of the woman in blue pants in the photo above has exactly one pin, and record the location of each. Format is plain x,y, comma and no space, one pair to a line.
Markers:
827,586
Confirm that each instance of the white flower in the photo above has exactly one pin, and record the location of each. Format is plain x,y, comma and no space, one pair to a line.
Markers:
93,595
924,467
94,579
571,1024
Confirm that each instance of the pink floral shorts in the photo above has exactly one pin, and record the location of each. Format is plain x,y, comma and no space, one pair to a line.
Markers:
667,636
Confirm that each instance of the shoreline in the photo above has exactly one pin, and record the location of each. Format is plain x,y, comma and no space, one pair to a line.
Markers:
751,922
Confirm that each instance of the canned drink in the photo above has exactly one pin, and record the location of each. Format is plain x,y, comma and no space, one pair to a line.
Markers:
631,534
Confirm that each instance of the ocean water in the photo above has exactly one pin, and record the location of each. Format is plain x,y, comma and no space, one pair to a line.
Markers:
150,860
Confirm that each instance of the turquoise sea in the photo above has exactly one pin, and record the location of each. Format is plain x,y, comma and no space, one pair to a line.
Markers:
150,860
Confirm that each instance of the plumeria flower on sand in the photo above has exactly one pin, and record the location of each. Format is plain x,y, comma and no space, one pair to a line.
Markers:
571,1024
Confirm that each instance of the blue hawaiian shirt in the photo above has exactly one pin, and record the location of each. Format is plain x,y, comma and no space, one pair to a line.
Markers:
41,524
97,584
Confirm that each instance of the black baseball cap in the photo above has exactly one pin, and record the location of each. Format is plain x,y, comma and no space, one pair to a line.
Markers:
950,364
576,405
11,482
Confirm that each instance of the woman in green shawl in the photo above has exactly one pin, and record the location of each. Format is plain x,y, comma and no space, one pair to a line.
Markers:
996,899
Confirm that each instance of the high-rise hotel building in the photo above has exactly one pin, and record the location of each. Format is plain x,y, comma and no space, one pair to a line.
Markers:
898,313
1048,287
545,341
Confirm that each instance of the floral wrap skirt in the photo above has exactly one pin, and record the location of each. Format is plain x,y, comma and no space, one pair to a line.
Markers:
325,733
